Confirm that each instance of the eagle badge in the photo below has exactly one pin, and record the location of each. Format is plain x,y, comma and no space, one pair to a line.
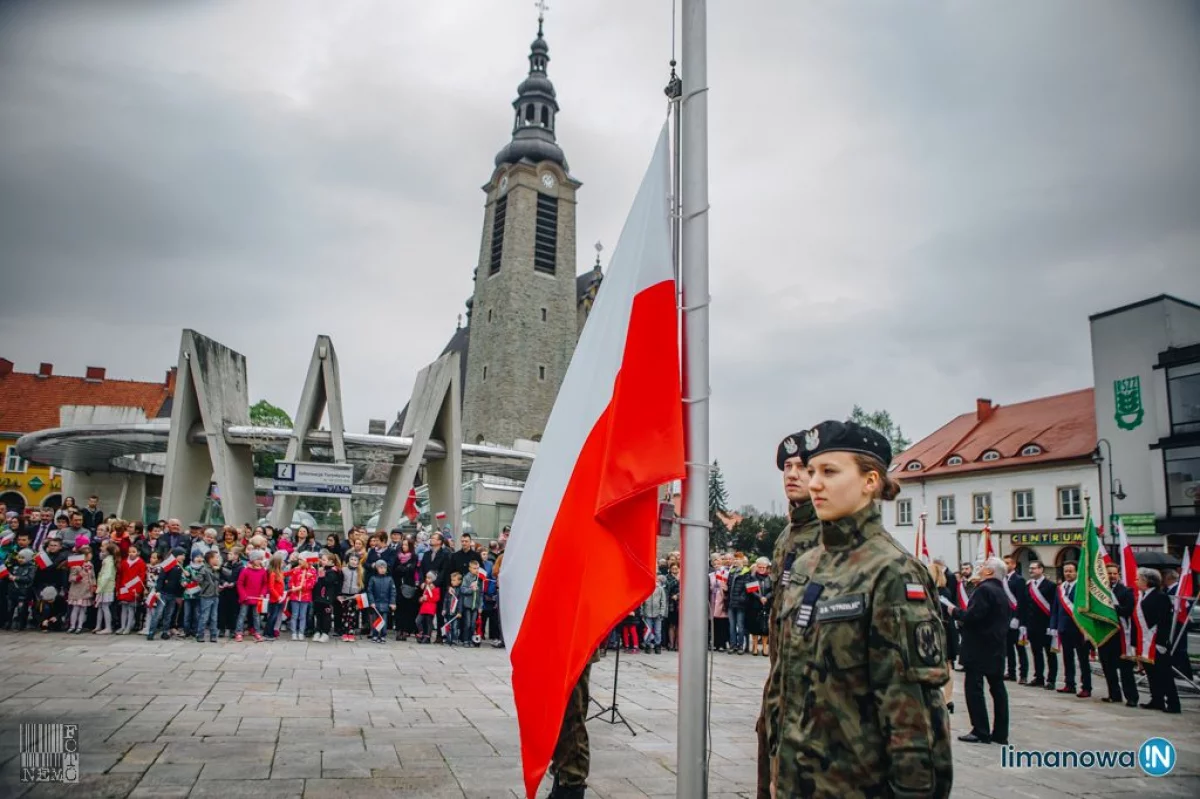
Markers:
812,439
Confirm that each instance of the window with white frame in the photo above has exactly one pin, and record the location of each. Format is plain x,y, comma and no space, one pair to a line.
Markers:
1070,504
991,455
1023,505
14,462
946,510
903,512
981,507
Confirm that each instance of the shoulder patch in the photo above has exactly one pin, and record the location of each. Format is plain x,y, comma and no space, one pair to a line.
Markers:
925,640
914,591
850,606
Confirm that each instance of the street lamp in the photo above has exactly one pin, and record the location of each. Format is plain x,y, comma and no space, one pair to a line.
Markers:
1115,491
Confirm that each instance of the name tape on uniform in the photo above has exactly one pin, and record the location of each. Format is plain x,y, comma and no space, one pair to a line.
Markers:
851,606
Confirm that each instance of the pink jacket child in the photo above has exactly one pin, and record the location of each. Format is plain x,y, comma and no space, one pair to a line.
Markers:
252,583
304,579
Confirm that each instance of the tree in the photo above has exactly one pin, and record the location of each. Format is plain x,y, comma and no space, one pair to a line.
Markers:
881,422
756,534
718,506
264,414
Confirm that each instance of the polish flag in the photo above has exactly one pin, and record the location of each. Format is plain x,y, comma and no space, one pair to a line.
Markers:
1184,591
1131,629
264,604
7,538
170,563
377,624
152,599
361,601
754,587
614,436
410,506
440,516
43,560
922,548
3,572
1196,555
985,543
75,560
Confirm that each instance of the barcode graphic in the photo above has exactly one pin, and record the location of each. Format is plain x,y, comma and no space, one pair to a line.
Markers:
49,752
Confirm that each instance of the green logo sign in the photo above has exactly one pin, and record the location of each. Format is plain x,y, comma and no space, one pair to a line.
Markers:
1128,396
36,483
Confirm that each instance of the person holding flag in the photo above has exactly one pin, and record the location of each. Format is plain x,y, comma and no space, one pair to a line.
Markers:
1095,606
1067,638
1118,670
1156,613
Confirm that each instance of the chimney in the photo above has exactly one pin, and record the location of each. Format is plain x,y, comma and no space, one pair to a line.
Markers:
45,370
984,409
172,373
94,374
6,367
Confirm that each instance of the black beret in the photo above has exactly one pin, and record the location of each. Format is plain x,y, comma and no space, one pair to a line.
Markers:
788,448
834,436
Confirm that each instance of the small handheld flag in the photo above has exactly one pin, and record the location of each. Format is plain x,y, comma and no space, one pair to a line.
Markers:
754,587
191,588
310,556
264,604
378,624
75,560
170,563
132,585
43,561
152,599
6,538
3,571
361,601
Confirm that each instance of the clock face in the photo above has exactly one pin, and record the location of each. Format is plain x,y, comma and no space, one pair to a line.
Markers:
504,183
548,180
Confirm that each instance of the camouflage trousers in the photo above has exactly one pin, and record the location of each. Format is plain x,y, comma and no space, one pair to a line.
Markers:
572,757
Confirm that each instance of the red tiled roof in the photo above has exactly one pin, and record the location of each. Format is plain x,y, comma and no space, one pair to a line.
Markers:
30,402
1063,426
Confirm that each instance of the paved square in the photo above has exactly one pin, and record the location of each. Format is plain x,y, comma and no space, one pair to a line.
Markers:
284,719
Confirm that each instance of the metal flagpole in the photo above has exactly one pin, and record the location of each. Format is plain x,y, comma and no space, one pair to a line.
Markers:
692,782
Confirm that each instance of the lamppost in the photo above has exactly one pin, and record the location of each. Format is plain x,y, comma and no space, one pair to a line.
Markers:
1115,491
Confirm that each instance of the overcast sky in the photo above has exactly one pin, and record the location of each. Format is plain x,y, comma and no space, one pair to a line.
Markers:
913,204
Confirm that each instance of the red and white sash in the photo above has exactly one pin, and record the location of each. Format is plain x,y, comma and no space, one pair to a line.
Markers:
1146,635
1038,599
962,595
1012,600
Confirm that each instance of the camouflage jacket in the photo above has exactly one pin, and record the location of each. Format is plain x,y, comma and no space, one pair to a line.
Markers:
801,535
860,710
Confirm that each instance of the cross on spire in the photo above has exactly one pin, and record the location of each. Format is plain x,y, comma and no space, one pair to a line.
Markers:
542,8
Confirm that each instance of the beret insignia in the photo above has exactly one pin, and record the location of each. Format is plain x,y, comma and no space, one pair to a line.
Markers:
789,446
812,439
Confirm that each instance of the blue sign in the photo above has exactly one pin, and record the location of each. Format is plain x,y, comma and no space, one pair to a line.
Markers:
1157,757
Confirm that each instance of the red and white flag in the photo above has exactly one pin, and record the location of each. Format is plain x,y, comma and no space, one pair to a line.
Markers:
1184,592
440,516
131,586
410,505
1196,554
3,572
921,550
264,604
1131,629
361,601
170,562
378,624
754,587
75,560
6,538
152,599
614,436
985,543
43,561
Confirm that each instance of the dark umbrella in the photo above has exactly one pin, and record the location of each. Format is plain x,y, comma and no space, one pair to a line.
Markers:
1155,560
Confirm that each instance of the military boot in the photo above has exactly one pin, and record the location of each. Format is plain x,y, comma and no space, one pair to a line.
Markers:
567,792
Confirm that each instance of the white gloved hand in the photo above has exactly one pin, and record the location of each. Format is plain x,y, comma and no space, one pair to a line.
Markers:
1014,624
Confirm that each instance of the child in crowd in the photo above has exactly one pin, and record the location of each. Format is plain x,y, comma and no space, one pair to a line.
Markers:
303,580
352,586
452,612
427,612
471,599
82,591
209,579
251,588
21,595
381,590
191,593
329,583
131,584
227,595
654,610
629,631
170,589
276,591
153,571
106,584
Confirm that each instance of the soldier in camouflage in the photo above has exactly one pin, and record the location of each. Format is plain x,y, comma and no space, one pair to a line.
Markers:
861,652
799,536
572,755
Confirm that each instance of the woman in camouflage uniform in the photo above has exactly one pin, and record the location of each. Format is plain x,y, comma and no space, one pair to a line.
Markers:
861,649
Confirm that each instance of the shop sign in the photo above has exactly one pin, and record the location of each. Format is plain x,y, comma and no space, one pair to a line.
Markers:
36,483
1138,523
1053,538
9,482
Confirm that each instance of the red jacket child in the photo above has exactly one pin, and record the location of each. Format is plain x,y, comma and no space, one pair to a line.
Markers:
275,586
252,583
304,578
131,578
429,600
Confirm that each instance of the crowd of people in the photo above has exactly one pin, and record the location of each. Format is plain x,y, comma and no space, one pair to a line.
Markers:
997,621
76,570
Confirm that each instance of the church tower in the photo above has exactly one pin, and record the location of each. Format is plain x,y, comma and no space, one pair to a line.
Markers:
523,315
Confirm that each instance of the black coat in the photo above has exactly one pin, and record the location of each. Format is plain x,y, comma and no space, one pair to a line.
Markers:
985,629
1037,620
1016,584
1061,620
440,564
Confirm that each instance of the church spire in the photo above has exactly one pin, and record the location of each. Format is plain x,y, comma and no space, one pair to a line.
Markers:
533,137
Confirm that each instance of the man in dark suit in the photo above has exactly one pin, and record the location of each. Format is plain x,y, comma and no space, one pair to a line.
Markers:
1074,646
1158,610
1043,595
1014,591
984,627
1179,657
1118,670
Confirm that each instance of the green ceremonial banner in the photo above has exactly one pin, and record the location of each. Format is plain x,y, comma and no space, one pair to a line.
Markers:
1095,608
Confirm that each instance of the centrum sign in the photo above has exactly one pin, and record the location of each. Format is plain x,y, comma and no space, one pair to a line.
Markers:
314,479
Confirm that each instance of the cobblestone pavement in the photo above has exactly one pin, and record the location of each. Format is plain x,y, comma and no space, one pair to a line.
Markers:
290,719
